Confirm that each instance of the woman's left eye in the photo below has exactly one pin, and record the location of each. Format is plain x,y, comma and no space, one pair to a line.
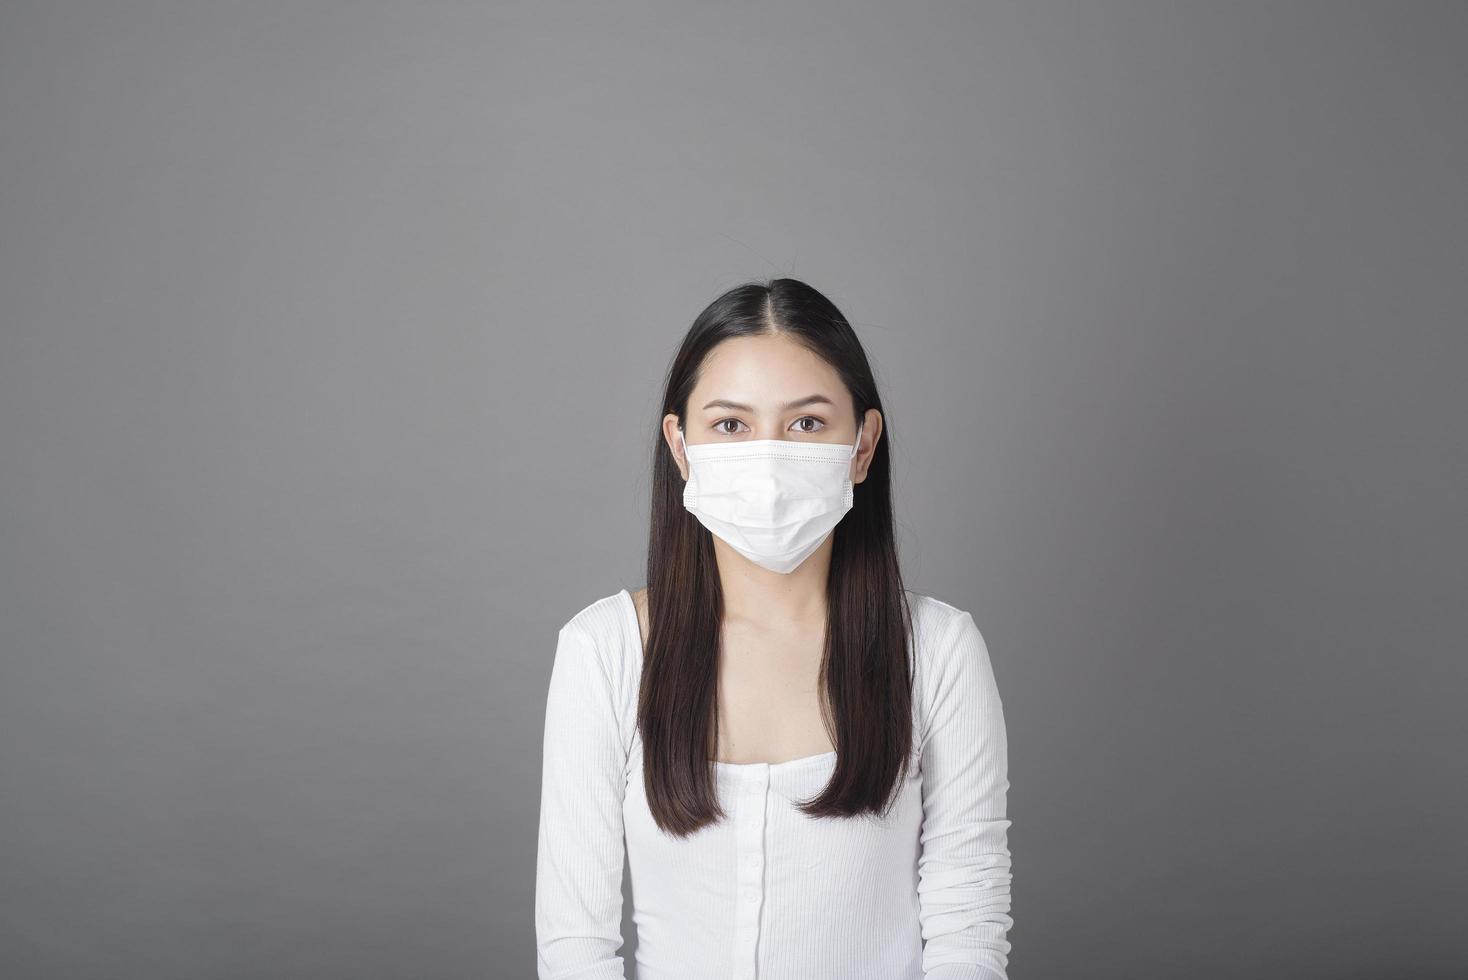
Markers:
810,418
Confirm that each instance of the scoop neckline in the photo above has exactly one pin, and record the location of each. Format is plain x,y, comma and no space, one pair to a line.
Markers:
788,763
630,607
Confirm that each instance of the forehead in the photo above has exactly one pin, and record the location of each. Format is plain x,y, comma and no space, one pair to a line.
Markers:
765,371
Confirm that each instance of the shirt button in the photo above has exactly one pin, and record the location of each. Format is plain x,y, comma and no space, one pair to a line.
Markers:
752,860
751,895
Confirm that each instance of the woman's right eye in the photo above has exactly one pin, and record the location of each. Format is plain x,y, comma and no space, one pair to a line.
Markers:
722,422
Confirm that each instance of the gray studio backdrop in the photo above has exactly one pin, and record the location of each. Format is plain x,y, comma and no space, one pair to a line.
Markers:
332,342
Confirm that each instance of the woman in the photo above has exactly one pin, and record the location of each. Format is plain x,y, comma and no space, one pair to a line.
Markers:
804,763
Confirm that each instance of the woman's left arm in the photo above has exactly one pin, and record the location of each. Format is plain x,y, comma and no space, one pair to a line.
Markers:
964,862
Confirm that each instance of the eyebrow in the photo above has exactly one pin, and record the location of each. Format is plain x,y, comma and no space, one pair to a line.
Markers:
788,406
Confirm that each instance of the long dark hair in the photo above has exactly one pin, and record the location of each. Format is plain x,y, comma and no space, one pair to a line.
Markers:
866,672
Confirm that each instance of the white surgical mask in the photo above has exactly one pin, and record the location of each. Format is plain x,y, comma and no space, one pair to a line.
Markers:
772,500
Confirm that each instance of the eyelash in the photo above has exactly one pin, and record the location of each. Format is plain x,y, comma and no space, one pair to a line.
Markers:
806,431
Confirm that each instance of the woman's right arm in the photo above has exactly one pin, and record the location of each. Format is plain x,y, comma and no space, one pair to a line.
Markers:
578,873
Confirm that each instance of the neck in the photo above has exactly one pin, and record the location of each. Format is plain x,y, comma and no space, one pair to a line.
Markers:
756,594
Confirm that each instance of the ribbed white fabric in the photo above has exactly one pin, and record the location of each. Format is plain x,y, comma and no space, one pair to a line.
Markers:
769,893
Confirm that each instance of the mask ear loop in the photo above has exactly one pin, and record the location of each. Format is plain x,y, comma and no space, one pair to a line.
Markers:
850,488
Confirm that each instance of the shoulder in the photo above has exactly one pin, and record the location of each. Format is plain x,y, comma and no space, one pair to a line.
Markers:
599,637
939,626
602,620
949,644
953,672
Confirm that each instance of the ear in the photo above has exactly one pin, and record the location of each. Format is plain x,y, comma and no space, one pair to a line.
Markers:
671,423
871,431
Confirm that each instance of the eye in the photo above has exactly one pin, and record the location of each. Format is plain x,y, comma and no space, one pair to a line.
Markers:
809,418
728,432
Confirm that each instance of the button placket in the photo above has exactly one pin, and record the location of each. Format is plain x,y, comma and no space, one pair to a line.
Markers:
750,866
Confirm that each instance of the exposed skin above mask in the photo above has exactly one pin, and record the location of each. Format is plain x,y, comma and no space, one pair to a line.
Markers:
770,387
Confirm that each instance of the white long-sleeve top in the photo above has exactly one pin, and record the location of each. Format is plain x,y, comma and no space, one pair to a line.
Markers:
769,893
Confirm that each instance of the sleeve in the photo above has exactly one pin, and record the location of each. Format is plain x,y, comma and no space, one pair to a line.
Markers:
580,851
964,862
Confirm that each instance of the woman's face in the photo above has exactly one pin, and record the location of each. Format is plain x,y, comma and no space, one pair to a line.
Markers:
770,387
